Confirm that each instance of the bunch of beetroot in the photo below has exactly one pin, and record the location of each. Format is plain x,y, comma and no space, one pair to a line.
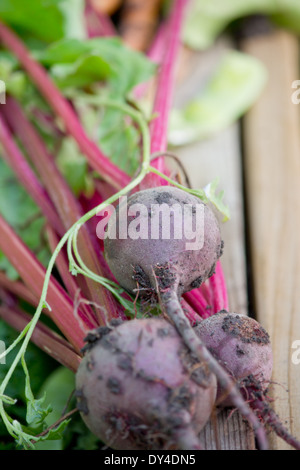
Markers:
148,383
152,383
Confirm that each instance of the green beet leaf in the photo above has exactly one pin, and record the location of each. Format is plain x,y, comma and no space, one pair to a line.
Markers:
231,91
44,20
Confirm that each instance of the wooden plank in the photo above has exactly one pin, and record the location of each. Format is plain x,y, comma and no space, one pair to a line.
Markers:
227,431
272,166
219,156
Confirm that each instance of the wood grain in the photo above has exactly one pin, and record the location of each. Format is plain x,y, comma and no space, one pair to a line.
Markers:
219,156
272,175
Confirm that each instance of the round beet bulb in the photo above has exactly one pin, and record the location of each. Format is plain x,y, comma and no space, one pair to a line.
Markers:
159,251
243,348
137,387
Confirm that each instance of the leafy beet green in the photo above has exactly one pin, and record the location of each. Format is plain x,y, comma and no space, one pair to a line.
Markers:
45,21
40,365
18,208
78,63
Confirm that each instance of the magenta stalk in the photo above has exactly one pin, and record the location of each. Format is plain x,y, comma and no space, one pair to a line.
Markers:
110,172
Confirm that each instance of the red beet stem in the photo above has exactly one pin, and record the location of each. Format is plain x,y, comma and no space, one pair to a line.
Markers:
98,24
218,288
33,274
65,203
50,342
108,171
26,176
164,93
166,81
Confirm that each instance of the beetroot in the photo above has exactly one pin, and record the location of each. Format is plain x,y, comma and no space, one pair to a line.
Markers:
164,268
138,388
161,253
242,346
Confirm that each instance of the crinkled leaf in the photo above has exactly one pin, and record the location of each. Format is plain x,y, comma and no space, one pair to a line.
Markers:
40,429
232,90
84,71
108,63
77,63
29,439
40,366
58,388
36,411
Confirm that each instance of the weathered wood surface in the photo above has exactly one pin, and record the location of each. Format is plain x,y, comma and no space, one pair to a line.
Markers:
219,156
272,168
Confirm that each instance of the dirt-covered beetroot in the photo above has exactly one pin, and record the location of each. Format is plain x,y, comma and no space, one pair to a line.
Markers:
138,388
163,268
164,253
243,348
